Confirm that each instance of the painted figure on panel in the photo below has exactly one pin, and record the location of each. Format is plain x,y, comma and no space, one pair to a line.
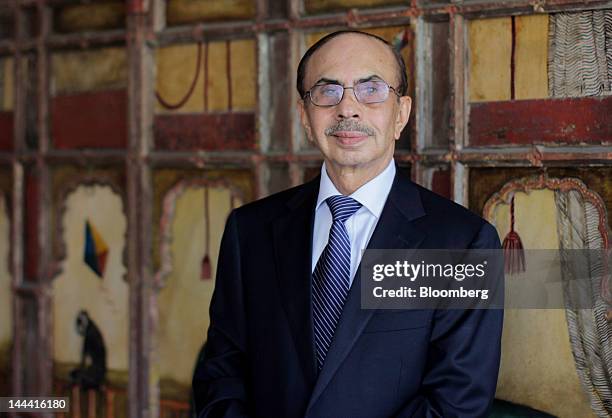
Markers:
91,283
91,372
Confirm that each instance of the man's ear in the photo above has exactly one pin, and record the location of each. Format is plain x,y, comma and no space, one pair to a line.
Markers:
405,104
301,105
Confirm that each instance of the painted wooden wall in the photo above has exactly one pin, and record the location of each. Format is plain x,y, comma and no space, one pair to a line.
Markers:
235,135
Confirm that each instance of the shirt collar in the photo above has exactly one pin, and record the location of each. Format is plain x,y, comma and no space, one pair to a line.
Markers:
371,195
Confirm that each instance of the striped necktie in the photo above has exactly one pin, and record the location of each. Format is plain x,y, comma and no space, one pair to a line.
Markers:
331,279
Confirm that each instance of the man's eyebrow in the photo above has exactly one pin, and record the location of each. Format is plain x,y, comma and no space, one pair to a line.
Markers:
324,80
375,77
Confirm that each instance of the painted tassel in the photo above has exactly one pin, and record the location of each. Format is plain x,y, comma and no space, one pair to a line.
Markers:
206,268
514,254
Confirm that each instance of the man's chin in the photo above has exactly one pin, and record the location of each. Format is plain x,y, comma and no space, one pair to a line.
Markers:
350,163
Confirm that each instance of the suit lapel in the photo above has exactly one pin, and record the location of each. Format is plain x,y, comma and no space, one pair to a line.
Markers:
393,230
293,254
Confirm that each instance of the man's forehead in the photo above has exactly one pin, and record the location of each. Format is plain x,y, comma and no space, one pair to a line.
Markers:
357,55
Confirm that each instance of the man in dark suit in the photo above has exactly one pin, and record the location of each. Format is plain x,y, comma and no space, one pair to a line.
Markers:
288,337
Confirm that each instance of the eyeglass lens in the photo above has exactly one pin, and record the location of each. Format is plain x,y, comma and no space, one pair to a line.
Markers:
367,92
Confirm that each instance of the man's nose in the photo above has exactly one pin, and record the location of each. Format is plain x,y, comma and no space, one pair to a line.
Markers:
348,106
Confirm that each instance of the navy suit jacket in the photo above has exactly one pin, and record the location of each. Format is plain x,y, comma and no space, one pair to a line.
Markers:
259,358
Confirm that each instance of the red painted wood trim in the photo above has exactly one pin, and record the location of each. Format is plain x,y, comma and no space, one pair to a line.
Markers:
191,132
440,183
135,6
6,131
90,120
559,121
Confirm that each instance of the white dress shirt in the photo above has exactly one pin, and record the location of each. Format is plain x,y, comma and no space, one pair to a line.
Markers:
360,226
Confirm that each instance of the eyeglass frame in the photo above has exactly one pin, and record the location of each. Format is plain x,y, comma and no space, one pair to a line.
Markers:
307,93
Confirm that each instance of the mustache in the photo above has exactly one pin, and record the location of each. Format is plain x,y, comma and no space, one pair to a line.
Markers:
349,125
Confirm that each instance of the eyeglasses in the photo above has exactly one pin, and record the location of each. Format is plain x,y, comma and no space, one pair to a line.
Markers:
366,92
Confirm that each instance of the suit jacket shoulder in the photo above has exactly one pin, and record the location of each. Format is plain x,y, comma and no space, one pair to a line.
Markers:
267,209
446,223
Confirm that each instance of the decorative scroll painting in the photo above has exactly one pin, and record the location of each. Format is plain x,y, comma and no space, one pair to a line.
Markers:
193,11
548,363
90,296
6,103
89,99
580,61
205,96
6,311
518,64
192,211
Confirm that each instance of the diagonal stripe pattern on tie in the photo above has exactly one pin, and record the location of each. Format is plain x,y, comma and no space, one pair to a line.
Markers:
331,276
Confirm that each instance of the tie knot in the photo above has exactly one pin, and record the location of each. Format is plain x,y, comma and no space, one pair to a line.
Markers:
342,207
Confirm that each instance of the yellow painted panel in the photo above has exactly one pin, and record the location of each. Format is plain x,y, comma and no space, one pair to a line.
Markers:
188,11
490,45
84,17
78,287
244,74
176,67
166,179
185,298
537,367
530,212
102,69
387,33
317,6
9,84
311,38
217,90
531,55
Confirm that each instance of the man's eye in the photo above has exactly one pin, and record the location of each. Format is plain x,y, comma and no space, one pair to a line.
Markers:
370,89
329,91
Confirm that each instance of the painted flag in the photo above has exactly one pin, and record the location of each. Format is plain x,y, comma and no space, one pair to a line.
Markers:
96,250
